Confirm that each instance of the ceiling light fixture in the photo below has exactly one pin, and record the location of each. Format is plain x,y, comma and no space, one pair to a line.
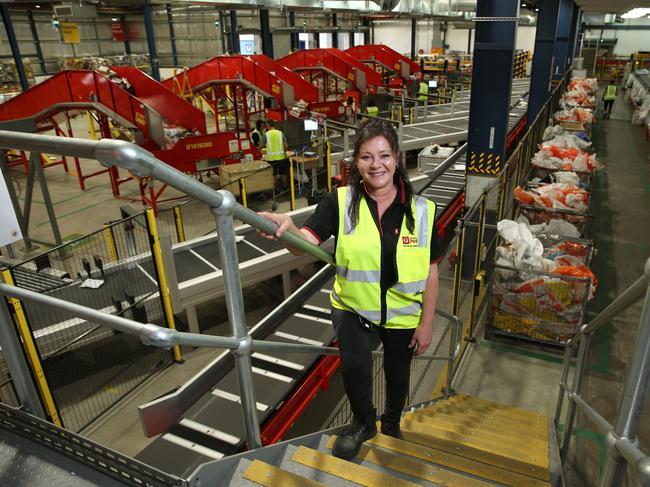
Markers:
37,6
636,13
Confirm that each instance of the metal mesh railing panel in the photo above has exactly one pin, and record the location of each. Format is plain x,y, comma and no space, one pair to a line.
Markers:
89,367
7,390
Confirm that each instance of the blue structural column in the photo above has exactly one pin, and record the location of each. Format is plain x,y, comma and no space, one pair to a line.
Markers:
147,11
562,38
172,35
576,18
414,25
335,33
265,27
234,32
543,56
222,31
294,34
37,41
13,43
489,110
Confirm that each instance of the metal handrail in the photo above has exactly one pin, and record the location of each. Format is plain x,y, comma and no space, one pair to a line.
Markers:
622,436
162,337
142,163
111,153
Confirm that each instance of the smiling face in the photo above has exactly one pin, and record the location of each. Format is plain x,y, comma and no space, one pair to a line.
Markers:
376,162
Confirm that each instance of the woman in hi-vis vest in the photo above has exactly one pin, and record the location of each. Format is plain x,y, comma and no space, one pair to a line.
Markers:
386,286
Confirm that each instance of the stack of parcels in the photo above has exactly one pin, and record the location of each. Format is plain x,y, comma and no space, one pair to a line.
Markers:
565,153
541,284
561,200
580,92
575,114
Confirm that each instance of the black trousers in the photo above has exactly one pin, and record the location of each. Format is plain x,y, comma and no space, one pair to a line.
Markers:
608,106
356,344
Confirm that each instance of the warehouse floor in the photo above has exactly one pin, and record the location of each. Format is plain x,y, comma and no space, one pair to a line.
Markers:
512,374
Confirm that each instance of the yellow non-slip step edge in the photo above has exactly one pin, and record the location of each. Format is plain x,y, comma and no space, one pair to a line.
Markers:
271,476
484,403
456,462
346,470
415,468
508,436
538,428
514,461
512,417
532,456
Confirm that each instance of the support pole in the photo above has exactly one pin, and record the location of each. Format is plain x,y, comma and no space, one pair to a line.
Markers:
37,41
222,30
17,365
172,35
562,38
540,83
234,32
294,34
235,305
265,27
151,40
414,25
13,43
127,44
335,34
576,17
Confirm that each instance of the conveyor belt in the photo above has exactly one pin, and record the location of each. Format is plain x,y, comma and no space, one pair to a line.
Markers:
440,126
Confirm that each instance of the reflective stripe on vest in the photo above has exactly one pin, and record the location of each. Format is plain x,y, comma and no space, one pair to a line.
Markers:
424,90
357,287
372,111
610,93
274,146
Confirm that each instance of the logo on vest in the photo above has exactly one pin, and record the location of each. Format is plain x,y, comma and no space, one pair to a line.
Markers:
409,241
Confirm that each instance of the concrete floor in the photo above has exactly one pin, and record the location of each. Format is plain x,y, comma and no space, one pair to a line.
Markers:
520,376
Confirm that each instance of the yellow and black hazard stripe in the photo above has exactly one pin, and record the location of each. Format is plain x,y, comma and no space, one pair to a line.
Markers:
484,163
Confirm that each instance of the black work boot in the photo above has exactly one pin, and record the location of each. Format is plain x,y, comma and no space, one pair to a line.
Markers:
390,426
361,429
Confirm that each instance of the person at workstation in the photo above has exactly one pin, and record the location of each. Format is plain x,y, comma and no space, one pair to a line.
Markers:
423,90
609,96
257,136
276,146
371,107
386,287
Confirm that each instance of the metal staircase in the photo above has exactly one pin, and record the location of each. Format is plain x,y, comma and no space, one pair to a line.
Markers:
455,440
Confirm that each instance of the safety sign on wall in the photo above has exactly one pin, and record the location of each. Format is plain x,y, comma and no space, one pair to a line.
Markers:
9,229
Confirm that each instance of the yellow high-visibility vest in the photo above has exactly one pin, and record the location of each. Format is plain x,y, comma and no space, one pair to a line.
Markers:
424,91
275,146
373,111
357,286
610,92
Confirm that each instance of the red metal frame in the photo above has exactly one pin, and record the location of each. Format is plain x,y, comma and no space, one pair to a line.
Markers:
282,420
384,56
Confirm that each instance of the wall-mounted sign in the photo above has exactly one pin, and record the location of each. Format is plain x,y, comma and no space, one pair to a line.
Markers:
70,31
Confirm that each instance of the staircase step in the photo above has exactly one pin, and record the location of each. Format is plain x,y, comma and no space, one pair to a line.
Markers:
516,460
483,406
505,437
345,470
538,429
264,474
429,453
409,468
288,464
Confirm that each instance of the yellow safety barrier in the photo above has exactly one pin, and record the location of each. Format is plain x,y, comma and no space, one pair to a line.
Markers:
329,166
32,354
110,242
292,190
91,125
162,278
178,220
242,191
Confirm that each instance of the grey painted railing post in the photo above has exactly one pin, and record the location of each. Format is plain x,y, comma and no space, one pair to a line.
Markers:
235,304
634,395
17,365
581,363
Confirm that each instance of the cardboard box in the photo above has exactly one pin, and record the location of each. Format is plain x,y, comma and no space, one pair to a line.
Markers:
573,126
258,176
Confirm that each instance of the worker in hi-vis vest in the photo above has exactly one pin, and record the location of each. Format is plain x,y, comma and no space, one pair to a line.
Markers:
608,97
257,135
423,90
276,146
371,108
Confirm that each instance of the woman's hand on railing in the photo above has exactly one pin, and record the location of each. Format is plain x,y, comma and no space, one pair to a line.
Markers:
284,223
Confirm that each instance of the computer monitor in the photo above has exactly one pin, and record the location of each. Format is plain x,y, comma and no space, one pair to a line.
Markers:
310,125
433,83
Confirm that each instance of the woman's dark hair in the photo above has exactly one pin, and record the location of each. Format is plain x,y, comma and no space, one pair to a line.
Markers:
371,128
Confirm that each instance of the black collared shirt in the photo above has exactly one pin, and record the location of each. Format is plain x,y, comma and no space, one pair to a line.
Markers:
324,223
